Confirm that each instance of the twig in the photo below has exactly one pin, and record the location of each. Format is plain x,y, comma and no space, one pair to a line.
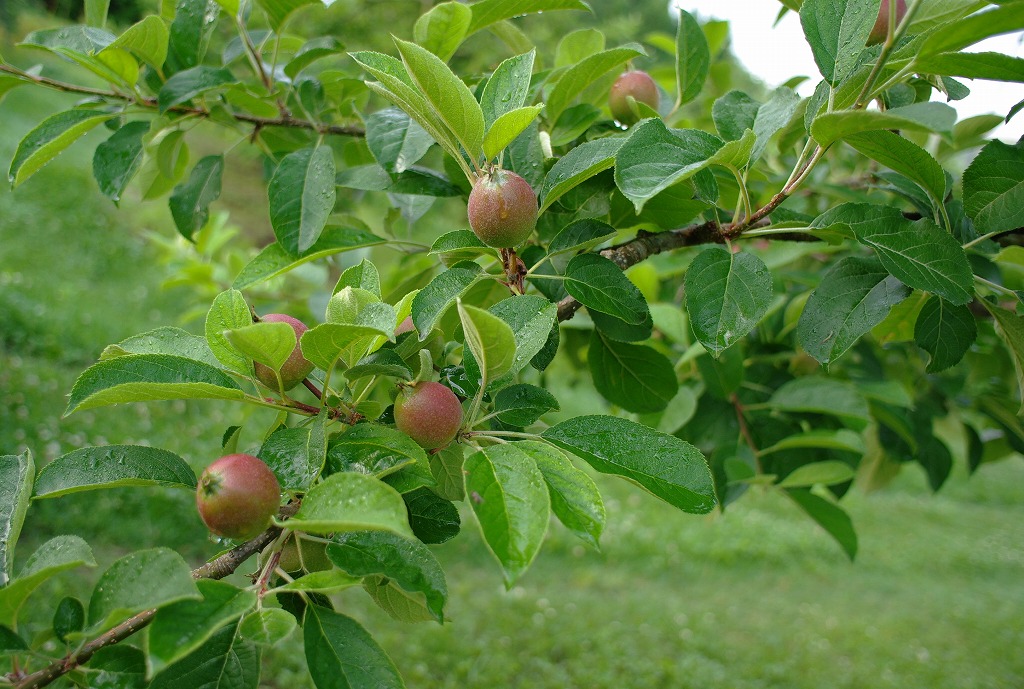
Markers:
647,244
285,120
215,569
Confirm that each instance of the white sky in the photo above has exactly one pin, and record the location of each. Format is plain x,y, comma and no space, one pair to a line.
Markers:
777,54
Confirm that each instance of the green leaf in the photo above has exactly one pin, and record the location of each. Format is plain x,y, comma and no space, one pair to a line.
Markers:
854,296
490,339
837,33
149,377
635,377
302,195
450,97
266,627
511,503
504,130
1010,327
326,581
827,473
994,187
311,51
341,654
228,311
903,156
693,58
431,302
507,88
817,395
397,86
946,331
52,557
17,473
772,117
408,563
396,140
49,139
268,343
446,468
577,45
655,157
86,40
842,439
327,343
113,466
921,117
186,85
375,450
575,499
118,159
9,83
226,660
96,12
190,33
363,275
384,362
146,40
668,467
531,319
574,123
523,404
830,517
190,201
727,295
600,285
279,11
581,75
351,502
10,642
487,12
577,166
140,581
733,114
459,244
964,32
433,518
288,453
918,254
180,628
442,29
275,260
579,235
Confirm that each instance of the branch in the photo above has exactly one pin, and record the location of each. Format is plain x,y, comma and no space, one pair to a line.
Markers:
647,244
285,120
215,569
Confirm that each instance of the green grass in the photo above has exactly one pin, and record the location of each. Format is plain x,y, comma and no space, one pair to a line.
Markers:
758,597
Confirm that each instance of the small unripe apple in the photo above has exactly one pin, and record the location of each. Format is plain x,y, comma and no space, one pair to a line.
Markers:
406,326
237,496
429,413
296,367
637,84
881,28
502,209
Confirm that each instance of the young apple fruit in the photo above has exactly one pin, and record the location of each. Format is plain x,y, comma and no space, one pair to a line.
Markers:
637,84
881,28
502,209
237,496
429,413
296,367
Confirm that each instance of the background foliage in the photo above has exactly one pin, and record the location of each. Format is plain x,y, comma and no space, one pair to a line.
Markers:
912,417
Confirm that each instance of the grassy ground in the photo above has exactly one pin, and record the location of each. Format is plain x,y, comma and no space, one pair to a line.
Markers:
758,597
